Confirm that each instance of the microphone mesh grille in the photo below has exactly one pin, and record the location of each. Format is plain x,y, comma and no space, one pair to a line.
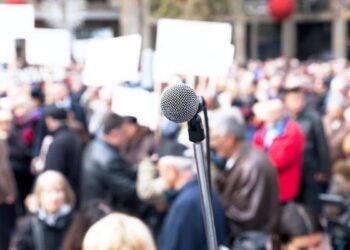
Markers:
179,103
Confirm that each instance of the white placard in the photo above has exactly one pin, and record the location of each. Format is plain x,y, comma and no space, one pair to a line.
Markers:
80,46
140,103
80,49
193,48
113,60
49,47
16,20
7,50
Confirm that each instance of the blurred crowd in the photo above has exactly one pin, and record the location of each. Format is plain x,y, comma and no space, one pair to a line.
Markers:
75,175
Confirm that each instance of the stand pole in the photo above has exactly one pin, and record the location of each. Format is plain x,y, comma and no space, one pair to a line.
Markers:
196,135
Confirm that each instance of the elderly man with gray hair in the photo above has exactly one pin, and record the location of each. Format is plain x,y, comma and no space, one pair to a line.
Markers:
183,227
248,184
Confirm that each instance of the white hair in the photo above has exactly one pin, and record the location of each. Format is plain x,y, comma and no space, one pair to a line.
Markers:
181,163
229,121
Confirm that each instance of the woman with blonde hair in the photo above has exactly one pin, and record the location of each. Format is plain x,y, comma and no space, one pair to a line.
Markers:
52,203
119,232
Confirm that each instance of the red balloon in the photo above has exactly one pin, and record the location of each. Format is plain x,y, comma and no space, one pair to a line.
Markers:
16,2
281,9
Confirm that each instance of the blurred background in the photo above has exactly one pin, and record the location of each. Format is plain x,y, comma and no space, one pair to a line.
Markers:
316,29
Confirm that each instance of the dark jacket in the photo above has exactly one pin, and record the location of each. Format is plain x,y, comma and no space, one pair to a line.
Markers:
79,113
36,233
106,175
41,130
20,152
64,155
316,156
183,228
249,191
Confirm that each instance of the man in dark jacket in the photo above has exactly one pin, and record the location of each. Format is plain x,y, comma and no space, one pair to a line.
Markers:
248,184
183,227
106,175
65,152
316,155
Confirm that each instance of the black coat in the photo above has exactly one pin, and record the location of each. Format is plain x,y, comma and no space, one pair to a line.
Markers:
64,155
36,232
41,129
316,156
106,175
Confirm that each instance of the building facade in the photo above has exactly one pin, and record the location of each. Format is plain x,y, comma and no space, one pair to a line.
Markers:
317,29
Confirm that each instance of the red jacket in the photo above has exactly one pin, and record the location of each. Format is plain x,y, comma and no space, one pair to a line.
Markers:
286,154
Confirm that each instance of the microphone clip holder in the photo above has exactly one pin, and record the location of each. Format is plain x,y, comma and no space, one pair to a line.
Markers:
195,129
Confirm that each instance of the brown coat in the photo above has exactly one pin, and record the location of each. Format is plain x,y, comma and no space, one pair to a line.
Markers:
7,182
249,192
335,136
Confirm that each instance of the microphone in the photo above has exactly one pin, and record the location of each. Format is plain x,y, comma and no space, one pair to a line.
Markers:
179,103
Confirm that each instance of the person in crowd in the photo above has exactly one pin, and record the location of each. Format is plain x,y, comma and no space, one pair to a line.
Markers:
20,143
88,215
106,175
150,187
65,151
59,97
141,143
38,100
336,128
98,105
299,228
76,85
316,157
340,180
339,186
248,183
183,227
52,204
7,184
283,140
119,232
62,99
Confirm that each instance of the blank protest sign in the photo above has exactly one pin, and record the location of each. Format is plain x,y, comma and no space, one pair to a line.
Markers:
16,20
193,48
49,47
139,103
7,50
112,60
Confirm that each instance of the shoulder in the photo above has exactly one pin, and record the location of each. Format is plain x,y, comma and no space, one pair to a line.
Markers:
187,200
24,228
97,149
310,114
293,126
256,163
256,155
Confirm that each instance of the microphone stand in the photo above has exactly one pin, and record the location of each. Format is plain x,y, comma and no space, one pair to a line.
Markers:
196,135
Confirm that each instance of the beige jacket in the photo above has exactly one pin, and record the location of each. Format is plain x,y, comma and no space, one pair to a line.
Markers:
149,187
